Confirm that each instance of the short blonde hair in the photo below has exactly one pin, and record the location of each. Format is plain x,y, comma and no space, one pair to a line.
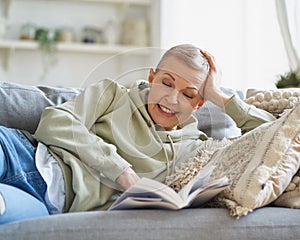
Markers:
189,54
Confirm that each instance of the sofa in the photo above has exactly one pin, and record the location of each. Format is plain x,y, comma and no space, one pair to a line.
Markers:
21,107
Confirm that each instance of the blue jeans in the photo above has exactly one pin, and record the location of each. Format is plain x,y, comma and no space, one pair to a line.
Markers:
18,170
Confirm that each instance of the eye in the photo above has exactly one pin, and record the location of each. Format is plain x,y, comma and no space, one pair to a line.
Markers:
167,83
187,95
190,94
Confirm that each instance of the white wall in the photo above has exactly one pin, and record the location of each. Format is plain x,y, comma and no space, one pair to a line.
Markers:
243,35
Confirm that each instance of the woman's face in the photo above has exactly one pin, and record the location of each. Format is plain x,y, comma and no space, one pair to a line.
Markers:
174,93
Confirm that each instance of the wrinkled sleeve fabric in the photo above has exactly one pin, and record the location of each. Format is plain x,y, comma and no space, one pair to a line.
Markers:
71,127
246,117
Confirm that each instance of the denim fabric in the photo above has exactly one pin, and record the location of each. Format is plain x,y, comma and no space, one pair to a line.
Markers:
20,205
17,164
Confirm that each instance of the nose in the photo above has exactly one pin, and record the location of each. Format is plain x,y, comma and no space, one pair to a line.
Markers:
173,96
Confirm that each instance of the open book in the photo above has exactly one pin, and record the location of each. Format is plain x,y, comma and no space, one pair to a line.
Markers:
148,193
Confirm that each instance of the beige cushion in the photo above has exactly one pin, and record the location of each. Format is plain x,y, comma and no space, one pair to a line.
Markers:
274,101
291,196
260,164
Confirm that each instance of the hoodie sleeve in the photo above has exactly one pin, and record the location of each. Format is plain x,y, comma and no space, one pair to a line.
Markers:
246,117
71,127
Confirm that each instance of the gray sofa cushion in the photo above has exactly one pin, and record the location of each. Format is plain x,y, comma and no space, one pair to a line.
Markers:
21,105
216,123
204,223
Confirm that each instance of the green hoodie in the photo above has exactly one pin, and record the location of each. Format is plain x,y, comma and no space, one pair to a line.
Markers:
107,129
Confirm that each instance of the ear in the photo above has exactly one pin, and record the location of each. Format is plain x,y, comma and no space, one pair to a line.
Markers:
151,75
200,104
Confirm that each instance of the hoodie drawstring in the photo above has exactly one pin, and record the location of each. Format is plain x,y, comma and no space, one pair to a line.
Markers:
167,158
173,152
165,150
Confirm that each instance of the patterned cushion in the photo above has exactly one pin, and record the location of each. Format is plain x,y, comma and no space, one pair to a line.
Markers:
259,165
291,196
274,101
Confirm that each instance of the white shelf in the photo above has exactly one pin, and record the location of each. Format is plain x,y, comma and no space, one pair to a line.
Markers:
10,46
69,47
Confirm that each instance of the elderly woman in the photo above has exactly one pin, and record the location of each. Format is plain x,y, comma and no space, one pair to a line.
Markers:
102,141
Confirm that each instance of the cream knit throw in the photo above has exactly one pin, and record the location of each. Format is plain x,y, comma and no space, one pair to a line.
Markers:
188,169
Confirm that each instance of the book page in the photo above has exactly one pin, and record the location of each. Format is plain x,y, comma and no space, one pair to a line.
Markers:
197,182
208,190
149,193
151,189
205,196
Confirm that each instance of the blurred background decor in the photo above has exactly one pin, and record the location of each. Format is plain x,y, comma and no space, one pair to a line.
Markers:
78,35
288,80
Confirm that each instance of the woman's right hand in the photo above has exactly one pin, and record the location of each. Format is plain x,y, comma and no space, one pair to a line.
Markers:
211,87
127,178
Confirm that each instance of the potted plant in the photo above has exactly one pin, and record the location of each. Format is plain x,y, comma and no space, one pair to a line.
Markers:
47,41
289,79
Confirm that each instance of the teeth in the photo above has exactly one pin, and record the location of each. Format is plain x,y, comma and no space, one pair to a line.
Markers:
166,110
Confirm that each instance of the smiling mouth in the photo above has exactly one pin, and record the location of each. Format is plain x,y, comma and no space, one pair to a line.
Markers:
166,110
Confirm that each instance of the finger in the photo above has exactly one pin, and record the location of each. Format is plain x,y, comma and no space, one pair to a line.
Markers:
210,59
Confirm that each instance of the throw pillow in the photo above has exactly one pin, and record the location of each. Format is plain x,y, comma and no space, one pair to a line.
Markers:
273,101
259,165
291,196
